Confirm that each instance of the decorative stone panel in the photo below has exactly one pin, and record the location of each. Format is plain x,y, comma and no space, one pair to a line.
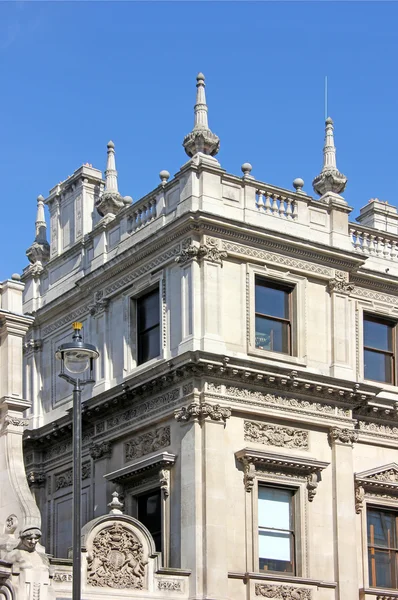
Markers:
215,412
64,479
275,435
282,592
145,443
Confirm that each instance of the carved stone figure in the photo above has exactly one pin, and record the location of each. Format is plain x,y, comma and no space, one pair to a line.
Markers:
116,560
25,555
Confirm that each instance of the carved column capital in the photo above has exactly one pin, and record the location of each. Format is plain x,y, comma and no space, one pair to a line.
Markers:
342,436
100,450
340,284
36,478
208,251
199,412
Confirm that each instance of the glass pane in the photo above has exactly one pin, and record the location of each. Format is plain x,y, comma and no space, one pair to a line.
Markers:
149,513
274,508
378,366
148,311
269,564
272,335
272,301
148,345
382,569
377,335
274,545
381,528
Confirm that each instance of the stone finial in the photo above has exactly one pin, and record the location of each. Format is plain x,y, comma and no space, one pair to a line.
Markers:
39,252
164,176
329,179
110,201
115,505
246,169
201,138
298,185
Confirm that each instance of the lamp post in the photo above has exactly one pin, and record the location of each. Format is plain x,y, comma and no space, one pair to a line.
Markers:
76,357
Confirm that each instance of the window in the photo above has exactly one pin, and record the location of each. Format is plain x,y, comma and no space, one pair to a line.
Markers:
148,327
149,512
379,349
273,316
276,542
382,548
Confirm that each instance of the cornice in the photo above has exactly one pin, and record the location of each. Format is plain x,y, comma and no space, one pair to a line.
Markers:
157,461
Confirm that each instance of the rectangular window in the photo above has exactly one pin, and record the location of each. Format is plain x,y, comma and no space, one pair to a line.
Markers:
382,548
148,327
379,342
276,542
149,512
273,316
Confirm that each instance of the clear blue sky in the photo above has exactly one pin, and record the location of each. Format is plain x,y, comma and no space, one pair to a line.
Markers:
77,74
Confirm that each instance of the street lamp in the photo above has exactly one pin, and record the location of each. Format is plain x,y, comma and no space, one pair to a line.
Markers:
76,357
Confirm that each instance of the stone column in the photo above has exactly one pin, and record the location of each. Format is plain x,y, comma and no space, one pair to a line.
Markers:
344,515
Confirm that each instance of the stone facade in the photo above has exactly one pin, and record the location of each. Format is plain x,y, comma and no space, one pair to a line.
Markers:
216,416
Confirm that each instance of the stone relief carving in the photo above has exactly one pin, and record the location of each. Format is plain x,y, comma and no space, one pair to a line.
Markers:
62,576
16,421
171,585
11,523
36,478
32,346
200,411
249,475
146,443
99,305
117,559
100,450
275,435
164,480
344,436
388,476
282,592
187,388
359,498
141,410
64,479
340,283
378,429
365,293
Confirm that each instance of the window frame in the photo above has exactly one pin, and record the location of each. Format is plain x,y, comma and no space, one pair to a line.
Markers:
298,313
139,333
292,532
382,508
382,320
287,289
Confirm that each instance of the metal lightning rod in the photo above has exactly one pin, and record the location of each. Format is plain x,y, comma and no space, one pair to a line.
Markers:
326,97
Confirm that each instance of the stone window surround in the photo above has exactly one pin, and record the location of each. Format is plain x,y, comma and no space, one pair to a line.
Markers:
381,495
142,286
284,471
375,310
147,474
298,314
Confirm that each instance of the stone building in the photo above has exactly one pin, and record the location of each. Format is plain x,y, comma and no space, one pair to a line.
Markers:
245,399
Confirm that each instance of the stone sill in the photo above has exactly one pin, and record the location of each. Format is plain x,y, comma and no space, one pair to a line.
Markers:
282,578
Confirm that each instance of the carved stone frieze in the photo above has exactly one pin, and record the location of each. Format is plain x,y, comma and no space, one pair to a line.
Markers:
378,429
215,412
65,478
282,592
275,435
145,443
343,436
142,409
100,450
117,559
62,576
170,585
16,421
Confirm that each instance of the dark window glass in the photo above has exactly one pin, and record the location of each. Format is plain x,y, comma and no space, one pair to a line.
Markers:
148,327
150,514
273,321
379,342
382,548
275,529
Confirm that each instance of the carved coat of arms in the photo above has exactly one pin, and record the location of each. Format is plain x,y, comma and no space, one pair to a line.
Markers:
116,560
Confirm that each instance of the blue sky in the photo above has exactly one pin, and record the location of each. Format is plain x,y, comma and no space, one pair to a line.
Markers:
76,74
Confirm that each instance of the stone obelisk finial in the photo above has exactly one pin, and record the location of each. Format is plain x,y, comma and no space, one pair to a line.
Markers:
201,138
329,179
110,202
39,252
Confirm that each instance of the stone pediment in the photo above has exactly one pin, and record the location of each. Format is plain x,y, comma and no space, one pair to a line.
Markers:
385,477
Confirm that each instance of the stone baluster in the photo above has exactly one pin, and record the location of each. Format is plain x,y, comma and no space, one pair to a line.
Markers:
358,245
387,248
275,208
365,242
282,211
372,244
267,203
260,200
294,210
289,208
379,247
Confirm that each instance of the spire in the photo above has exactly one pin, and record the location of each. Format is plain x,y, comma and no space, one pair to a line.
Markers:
39,252
201,138
110,202
329,179
111,173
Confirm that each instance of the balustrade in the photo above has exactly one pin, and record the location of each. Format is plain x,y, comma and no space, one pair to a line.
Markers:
142,214
373,243
275,204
